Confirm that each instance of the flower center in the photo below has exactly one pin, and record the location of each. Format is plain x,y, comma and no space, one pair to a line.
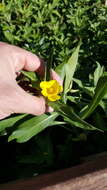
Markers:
51,90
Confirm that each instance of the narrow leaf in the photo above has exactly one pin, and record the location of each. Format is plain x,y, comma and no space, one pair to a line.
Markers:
6,123
100,91
32,127
98,73
70,116
60,69
70,68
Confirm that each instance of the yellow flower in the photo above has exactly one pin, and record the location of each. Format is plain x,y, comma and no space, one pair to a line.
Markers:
51,89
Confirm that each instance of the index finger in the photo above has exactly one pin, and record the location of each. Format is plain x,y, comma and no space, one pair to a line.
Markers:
25,60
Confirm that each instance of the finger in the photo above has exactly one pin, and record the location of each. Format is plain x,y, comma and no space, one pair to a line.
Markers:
49,109
4,115
34,63
55,76
28,103
28,61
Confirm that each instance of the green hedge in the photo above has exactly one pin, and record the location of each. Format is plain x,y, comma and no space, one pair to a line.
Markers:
38,24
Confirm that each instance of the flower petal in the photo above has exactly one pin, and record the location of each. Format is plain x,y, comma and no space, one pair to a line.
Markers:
53,98
60,88
44,92
43,84
51,83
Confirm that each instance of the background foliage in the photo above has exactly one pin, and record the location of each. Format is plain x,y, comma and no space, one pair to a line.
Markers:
38,25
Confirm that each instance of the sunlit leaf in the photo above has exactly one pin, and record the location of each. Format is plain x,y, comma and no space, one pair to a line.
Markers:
31,75
98,72
33,126
100,91
70,116
70,68
60,69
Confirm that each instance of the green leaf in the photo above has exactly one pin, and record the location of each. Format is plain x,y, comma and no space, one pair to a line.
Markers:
86,89
100,91
70,68
6,123
60,69
98,73
70,116
8,36
31,75
72,99
33,126
78,82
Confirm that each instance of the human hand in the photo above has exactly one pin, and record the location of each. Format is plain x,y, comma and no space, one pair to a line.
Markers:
13,99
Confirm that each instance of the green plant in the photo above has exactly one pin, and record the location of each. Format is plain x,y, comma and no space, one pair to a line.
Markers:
25,128
75,31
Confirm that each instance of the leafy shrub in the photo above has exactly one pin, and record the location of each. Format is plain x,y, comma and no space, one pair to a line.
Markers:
37,24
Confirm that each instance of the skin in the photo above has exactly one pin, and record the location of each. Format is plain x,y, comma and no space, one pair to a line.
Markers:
13,99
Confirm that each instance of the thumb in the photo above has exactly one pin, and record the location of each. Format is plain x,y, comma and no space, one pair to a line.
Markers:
26,103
